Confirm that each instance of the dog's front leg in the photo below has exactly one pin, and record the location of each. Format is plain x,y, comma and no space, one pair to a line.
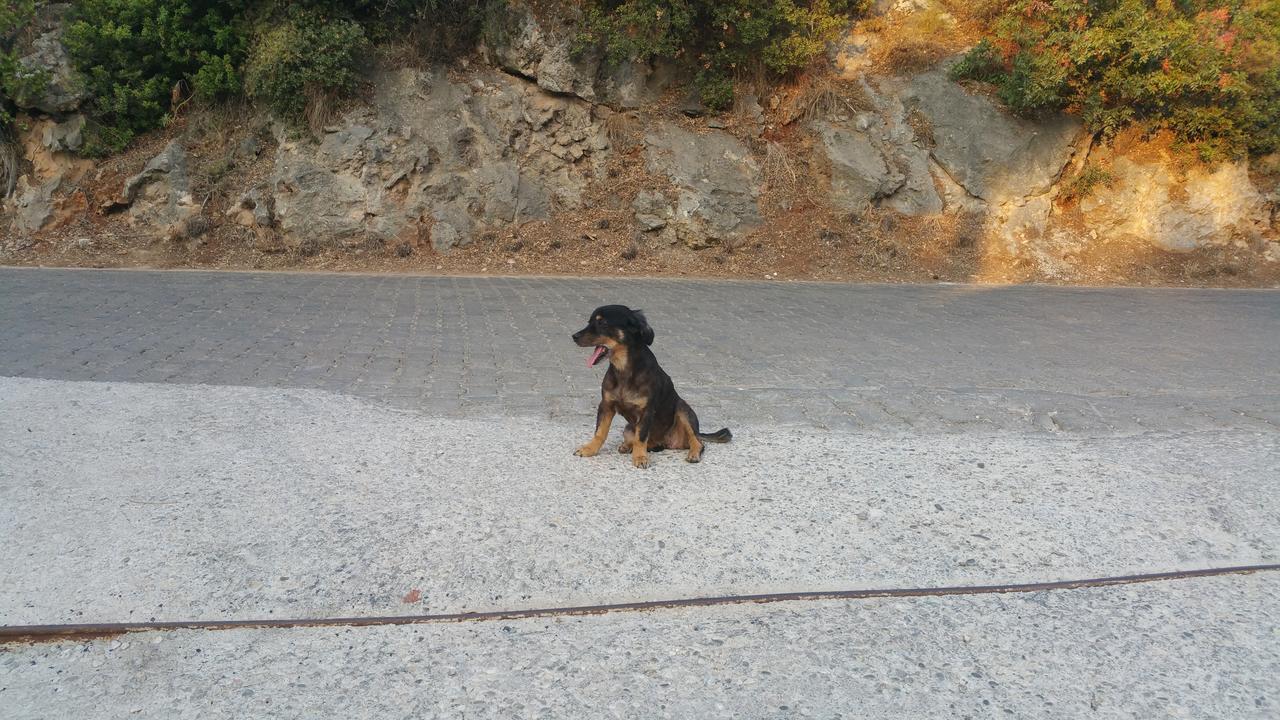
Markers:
604,418
640,445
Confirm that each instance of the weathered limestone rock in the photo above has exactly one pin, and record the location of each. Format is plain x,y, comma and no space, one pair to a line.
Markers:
859,173
652,209
39,200
159,198
436,158
1150,202
31,206
993,155
51,84
717,179
543,50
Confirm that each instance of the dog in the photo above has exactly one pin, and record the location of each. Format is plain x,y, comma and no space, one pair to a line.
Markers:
636,387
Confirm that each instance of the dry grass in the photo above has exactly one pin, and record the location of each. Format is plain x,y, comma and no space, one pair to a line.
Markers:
754,79
977,13
321,110
779,167
921,126
401,52
8,164
824,95
918,41
912,56
623,130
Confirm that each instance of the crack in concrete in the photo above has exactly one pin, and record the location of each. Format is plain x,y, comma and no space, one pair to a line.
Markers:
13,634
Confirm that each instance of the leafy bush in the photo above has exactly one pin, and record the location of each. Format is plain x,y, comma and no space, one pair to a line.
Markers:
453,25
306,54
720,37
134,52
1083,184
14,16
1208,70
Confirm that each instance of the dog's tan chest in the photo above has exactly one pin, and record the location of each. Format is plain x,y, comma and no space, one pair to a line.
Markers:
630,404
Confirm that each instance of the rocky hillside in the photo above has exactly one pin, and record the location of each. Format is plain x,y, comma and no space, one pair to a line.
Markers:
529,157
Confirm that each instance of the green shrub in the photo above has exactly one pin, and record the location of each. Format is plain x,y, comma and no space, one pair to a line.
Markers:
453,24
305,54
1090,178
14,16
134,52
715,89
720,37
1207,70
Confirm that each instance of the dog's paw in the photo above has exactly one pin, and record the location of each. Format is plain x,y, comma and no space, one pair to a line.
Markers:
693,458
640,461
586,451
624,448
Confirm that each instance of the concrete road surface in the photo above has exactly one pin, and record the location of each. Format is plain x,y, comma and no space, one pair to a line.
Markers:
198,448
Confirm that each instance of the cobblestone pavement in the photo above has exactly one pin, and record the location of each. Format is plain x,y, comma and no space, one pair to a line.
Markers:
831,356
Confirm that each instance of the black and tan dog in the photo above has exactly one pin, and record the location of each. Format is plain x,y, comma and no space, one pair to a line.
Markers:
636,387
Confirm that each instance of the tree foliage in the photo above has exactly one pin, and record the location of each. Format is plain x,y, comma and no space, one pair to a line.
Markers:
720,37
14,16
1207,70
135,53
307,53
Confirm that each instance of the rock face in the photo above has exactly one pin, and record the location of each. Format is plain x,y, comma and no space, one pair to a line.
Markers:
443,155
859,173
876,157
31,207
718,183
65,136
435,159
652,209
992,155
543,51
52,84
1149,202
159,198
40,197
255,210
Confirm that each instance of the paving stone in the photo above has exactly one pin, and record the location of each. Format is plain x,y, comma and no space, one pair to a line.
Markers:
890,358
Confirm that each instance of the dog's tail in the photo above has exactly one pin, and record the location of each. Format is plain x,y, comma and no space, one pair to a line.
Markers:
720,436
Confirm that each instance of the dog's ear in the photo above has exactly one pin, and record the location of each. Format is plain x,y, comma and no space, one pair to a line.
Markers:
643,331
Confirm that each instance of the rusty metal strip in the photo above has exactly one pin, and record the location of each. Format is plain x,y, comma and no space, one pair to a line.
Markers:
89,631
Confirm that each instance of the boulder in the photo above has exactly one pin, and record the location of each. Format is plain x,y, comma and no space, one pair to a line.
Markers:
992,155
876,157
521,44
159,198
1150,201
652,210
47,81
859,173
65,136
31,207
255,209
717,180
169,169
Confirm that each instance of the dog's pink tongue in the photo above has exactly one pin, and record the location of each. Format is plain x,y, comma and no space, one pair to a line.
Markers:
595,356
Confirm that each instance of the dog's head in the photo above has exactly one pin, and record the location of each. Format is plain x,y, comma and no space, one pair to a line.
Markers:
611,326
